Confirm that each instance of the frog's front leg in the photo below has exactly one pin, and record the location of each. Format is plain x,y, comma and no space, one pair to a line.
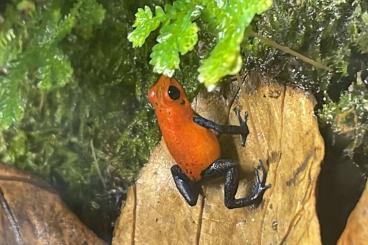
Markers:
187,188
242,129
228,169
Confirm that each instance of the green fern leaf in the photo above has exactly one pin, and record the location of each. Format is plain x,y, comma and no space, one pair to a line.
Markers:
144,24
178,34
177,37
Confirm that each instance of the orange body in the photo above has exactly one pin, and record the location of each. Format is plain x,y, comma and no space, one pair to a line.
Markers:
193,147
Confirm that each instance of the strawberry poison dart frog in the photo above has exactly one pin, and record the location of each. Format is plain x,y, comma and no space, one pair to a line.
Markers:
192,142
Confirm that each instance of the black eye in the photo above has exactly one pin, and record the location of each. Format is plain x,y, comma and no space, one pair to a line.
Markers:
173,92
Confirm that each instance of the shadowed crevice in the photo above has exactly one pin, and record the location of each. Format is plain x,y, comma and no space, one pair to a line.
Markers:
134,213
200,217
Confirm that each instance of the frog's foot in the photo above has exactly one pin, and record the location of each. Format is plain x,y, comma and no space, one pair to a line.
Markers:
244,131
260,186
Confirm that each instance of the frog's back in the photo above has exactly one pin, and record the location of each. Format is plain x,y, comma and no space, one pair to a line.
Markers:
192,146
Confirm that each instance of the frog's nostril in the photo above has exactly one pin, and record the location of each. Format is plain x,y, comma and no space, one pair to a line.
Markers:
151,95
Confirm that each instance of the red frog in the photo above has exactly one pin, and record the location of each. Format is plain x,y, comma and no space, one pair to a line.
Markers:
193,144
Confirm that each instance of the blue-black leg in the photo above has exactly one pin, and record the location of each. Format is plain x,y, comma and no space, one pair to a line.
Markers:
187,188
242,129
228,169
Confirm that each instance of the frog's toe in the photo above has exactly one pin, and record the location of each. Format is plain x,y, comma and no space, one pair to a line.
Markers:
260,185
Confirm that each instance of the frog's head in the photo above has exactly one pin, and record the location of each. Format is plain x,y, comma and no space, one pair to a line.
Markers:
168,93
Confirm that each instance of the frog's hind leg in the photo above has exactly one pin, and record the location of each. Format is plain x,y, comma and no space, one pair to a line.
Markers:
187,188
228,169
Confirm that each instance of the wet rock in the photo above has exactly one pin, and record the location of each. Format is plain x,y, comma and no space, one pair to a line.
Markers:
32,213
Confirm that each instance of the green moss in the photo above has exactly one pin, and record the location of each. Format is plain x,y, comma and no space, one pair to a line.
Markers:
348,117
321,30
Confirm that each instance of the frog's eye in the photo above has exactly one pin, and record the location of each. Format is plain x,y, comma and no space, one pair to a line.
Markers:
173,92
